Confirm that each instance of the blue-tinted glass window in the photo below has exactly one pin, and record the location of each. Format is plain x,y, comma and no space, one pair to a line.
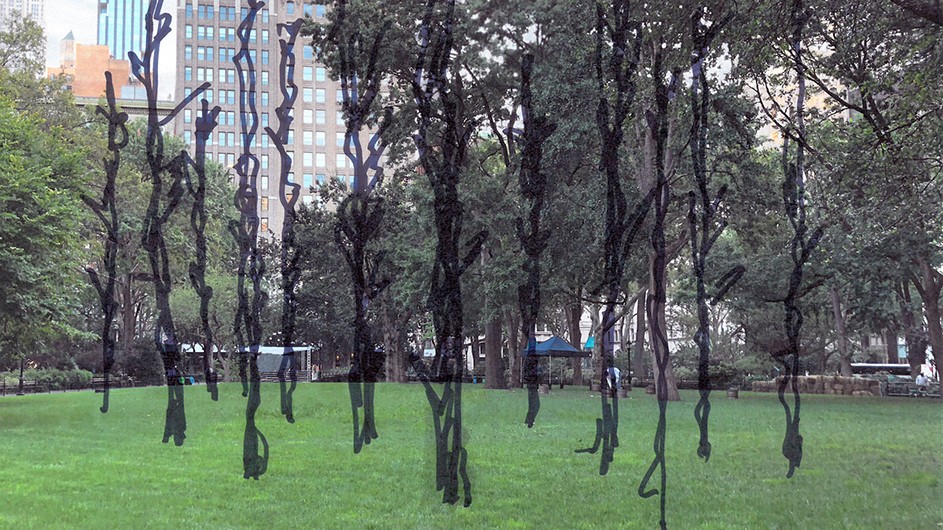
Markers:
201,12
290,8
319,10
307,180
209,12
320,74
209,53
189,10
265,16
308,10
309,52
188,52
188,73
264,56
188,31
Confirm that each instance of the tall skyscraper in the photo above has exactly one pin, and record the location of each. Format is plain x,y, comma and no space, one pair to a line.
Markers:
207,42
121,26
32,8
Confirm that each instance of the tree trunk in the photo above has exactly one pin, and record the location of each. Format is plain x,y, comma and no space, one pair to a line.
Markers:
574,310
844,352
914,336
597,358
514,349
890,346
660,344
494,365
932,285
638,361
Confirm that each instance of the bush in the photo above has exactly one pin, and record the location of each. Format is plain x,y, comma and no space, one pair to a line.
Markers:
143,363
53,378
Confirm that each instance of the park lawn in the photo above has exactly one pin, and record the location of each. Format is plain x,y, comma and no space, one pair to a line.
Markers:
868,463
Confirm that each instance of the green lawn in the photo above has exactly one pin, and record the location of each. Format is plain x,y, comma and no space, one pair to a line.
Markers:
868,463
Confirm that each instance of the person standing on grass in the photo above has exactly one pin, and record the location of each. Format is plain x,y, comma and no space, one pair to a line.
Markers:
921,382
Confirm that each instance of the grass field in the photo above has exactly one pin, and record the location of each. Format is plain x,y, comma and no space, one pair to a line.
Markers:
868,463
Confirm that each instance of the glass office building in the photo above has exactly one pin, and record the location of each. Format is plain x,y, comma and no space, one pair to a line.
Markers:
121,26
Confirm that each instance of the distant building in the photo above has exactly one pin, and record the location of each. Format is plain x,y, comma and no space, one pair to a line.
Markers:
32,8
207,43
86,65
121,26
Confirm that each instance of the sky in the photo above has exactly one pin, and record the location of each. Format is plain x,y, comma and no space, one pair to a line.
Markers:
81,18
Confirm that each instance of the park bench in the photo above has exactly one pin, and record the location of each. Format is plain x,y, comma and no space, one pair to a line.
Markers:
30,387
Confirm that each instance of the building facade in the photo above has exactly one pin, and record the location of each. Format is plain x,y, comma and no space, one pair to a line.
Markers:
32,8
121,26
86,64
207,43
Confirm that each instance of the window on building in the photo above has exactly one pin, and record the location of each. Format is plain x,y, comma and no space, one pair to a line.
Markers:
341,160
320,74
208,94
252,35
209,53
320,179
265,119
187,116
320,116
320,160
188,52
264,21
307,159
230,159
244,12
264,56
188,31
290,8
339,119
187,137
319,95
264,205
200,32
307,94
291,136
231,75
187,90
308,52
307,181
187,73
231,97
319,10
265,77
307,73
307,138
263,226
231,32
231,115
265,140
339,139
307,200
264,183
209,75
264,161
209,138
209,33
189,10
308,116
339,96
308,10
209,12
264,36
264,99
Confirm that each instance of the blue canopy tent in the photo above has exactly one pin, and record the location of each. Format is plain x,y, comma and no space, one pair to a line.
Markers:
554,347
